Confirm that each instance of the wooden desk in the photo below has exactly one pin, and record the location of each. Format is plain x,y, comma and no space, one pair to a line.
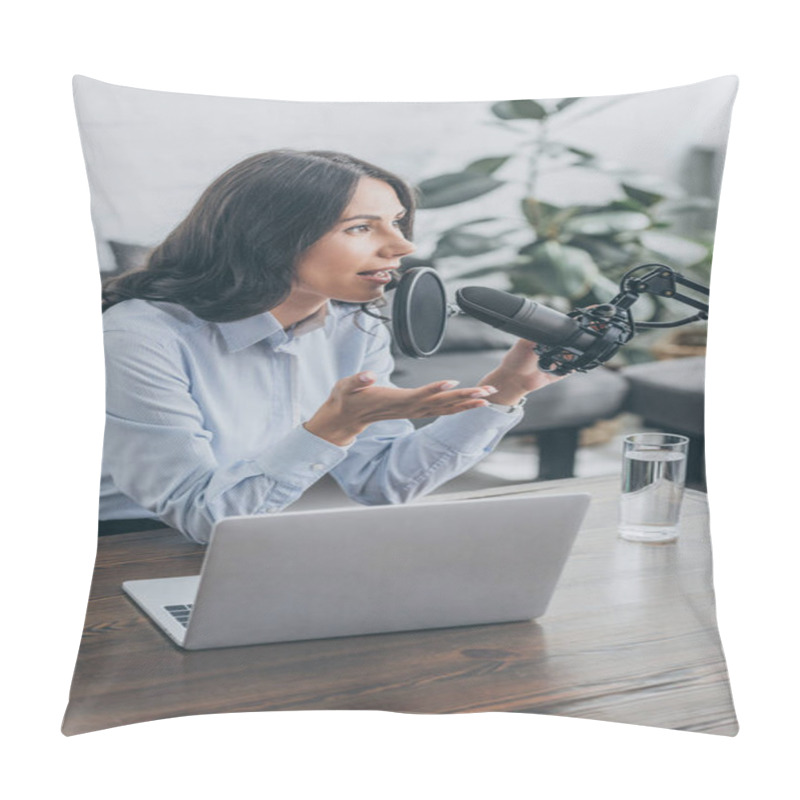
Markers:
630,636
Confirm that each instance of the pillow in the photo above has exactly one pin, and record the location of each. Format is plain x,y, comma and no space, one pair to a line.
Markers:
554,201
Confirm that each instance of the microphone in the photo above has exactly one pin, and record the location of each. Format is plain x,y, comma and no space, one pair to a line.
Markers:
564,343
579,341
522,317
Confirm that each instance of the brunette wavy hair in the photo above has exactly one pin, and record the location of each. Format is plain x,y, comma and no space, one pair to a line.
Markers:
235,253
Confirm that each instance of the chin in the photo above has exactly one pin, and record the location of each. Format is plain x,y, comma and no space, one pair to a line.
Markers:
360,297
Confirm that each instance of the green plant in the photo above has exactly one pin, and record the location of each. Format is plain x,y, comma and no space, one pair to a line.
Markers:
571,255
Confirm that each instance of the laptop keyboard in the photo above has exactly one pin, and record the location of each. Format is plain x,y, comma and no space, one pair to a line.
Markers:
180,612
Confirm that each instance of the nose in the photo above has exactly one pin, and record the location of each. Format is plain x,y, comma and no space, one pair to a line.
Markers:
396,245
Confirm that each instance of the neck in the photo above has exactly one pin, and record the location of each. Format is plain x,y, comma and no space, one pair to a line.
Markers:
291,311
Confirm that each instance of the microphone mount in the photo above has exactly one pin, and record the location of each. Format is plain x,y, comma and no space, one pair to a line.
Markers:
612,324
661,281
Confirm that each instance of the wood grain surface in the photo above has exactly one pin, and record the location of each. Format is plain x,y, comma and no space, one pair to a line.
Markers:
630,636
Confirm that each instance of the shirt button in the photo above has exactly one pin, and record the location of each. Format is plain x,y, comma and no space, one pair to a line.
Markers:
317,467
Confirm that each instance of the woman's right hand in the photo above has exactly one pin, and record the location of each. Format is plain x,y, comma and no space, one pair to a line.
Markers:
355,402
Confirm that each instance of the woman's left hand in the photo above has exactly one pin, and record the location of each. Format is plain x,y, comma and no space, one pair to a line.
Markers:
518,374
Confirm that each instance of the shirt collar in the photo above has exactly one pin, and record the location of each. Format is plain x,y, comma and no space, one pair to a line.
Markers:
318,320
243,333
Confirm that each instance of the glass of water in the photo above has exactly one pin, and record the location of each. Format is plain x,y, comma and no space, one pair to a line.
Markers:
653,479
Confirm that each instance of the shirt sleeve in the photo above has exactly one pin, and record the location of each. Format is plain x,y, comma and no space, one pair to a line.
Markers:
392,462
159,453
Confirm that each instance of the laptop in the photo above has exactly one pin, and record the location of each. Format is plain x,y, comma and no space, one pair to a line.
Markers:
353,571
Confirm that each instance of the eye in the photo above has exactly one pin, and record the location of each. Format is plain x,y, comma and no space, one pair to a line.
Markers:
357,228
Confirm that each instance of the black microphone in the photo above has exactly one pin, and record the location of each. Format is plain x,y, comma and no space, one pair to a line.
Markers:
581,340
522,317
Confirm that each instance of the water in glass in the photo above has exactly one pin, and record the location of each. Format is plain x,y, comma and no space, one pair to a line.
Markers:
652,491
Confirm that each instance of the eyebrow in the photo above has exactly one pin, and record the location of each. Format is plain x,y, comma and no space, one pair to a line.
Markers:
400,214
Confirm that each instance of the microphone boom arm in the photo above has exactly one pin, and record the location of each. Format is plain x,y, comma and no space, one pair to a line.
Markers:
613,324
661,281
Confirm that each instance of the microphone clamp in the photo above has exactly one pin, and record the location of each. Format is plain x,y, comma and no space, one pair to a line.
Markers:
610,332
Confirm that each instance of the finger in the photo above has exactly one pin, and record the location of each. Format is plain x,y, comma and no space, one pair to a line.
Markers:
449,396
358,382
438,410
454,402
457,408
466,394
436,387
438,405
483,391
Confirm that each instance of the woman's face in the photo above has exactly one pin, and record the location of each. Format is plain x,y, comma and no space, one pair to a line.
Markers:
353,261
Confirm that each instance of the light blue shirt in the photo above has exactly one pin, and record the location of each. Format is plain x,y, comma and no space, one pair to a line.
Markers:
204,419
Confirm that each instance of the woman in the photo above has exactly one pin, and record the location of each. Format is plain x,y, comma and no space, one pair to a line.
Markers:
241,367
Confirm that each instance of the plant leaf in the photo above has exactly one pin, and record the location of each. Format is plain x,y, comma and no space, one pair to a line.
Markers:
481,272
606,252
486,166
646,198
651,184
607,223
463,243
462,225
675,250
584,154
628,204
559,270
518,109
454,188
683,205
567,101
538,213
604,289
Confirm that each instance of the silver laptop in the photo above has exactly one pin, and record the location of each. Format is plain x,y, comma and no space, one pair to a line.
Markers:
352,571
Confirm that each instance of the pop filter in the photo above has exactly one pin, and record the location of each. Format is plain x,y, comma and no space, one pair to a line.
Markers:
419,312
